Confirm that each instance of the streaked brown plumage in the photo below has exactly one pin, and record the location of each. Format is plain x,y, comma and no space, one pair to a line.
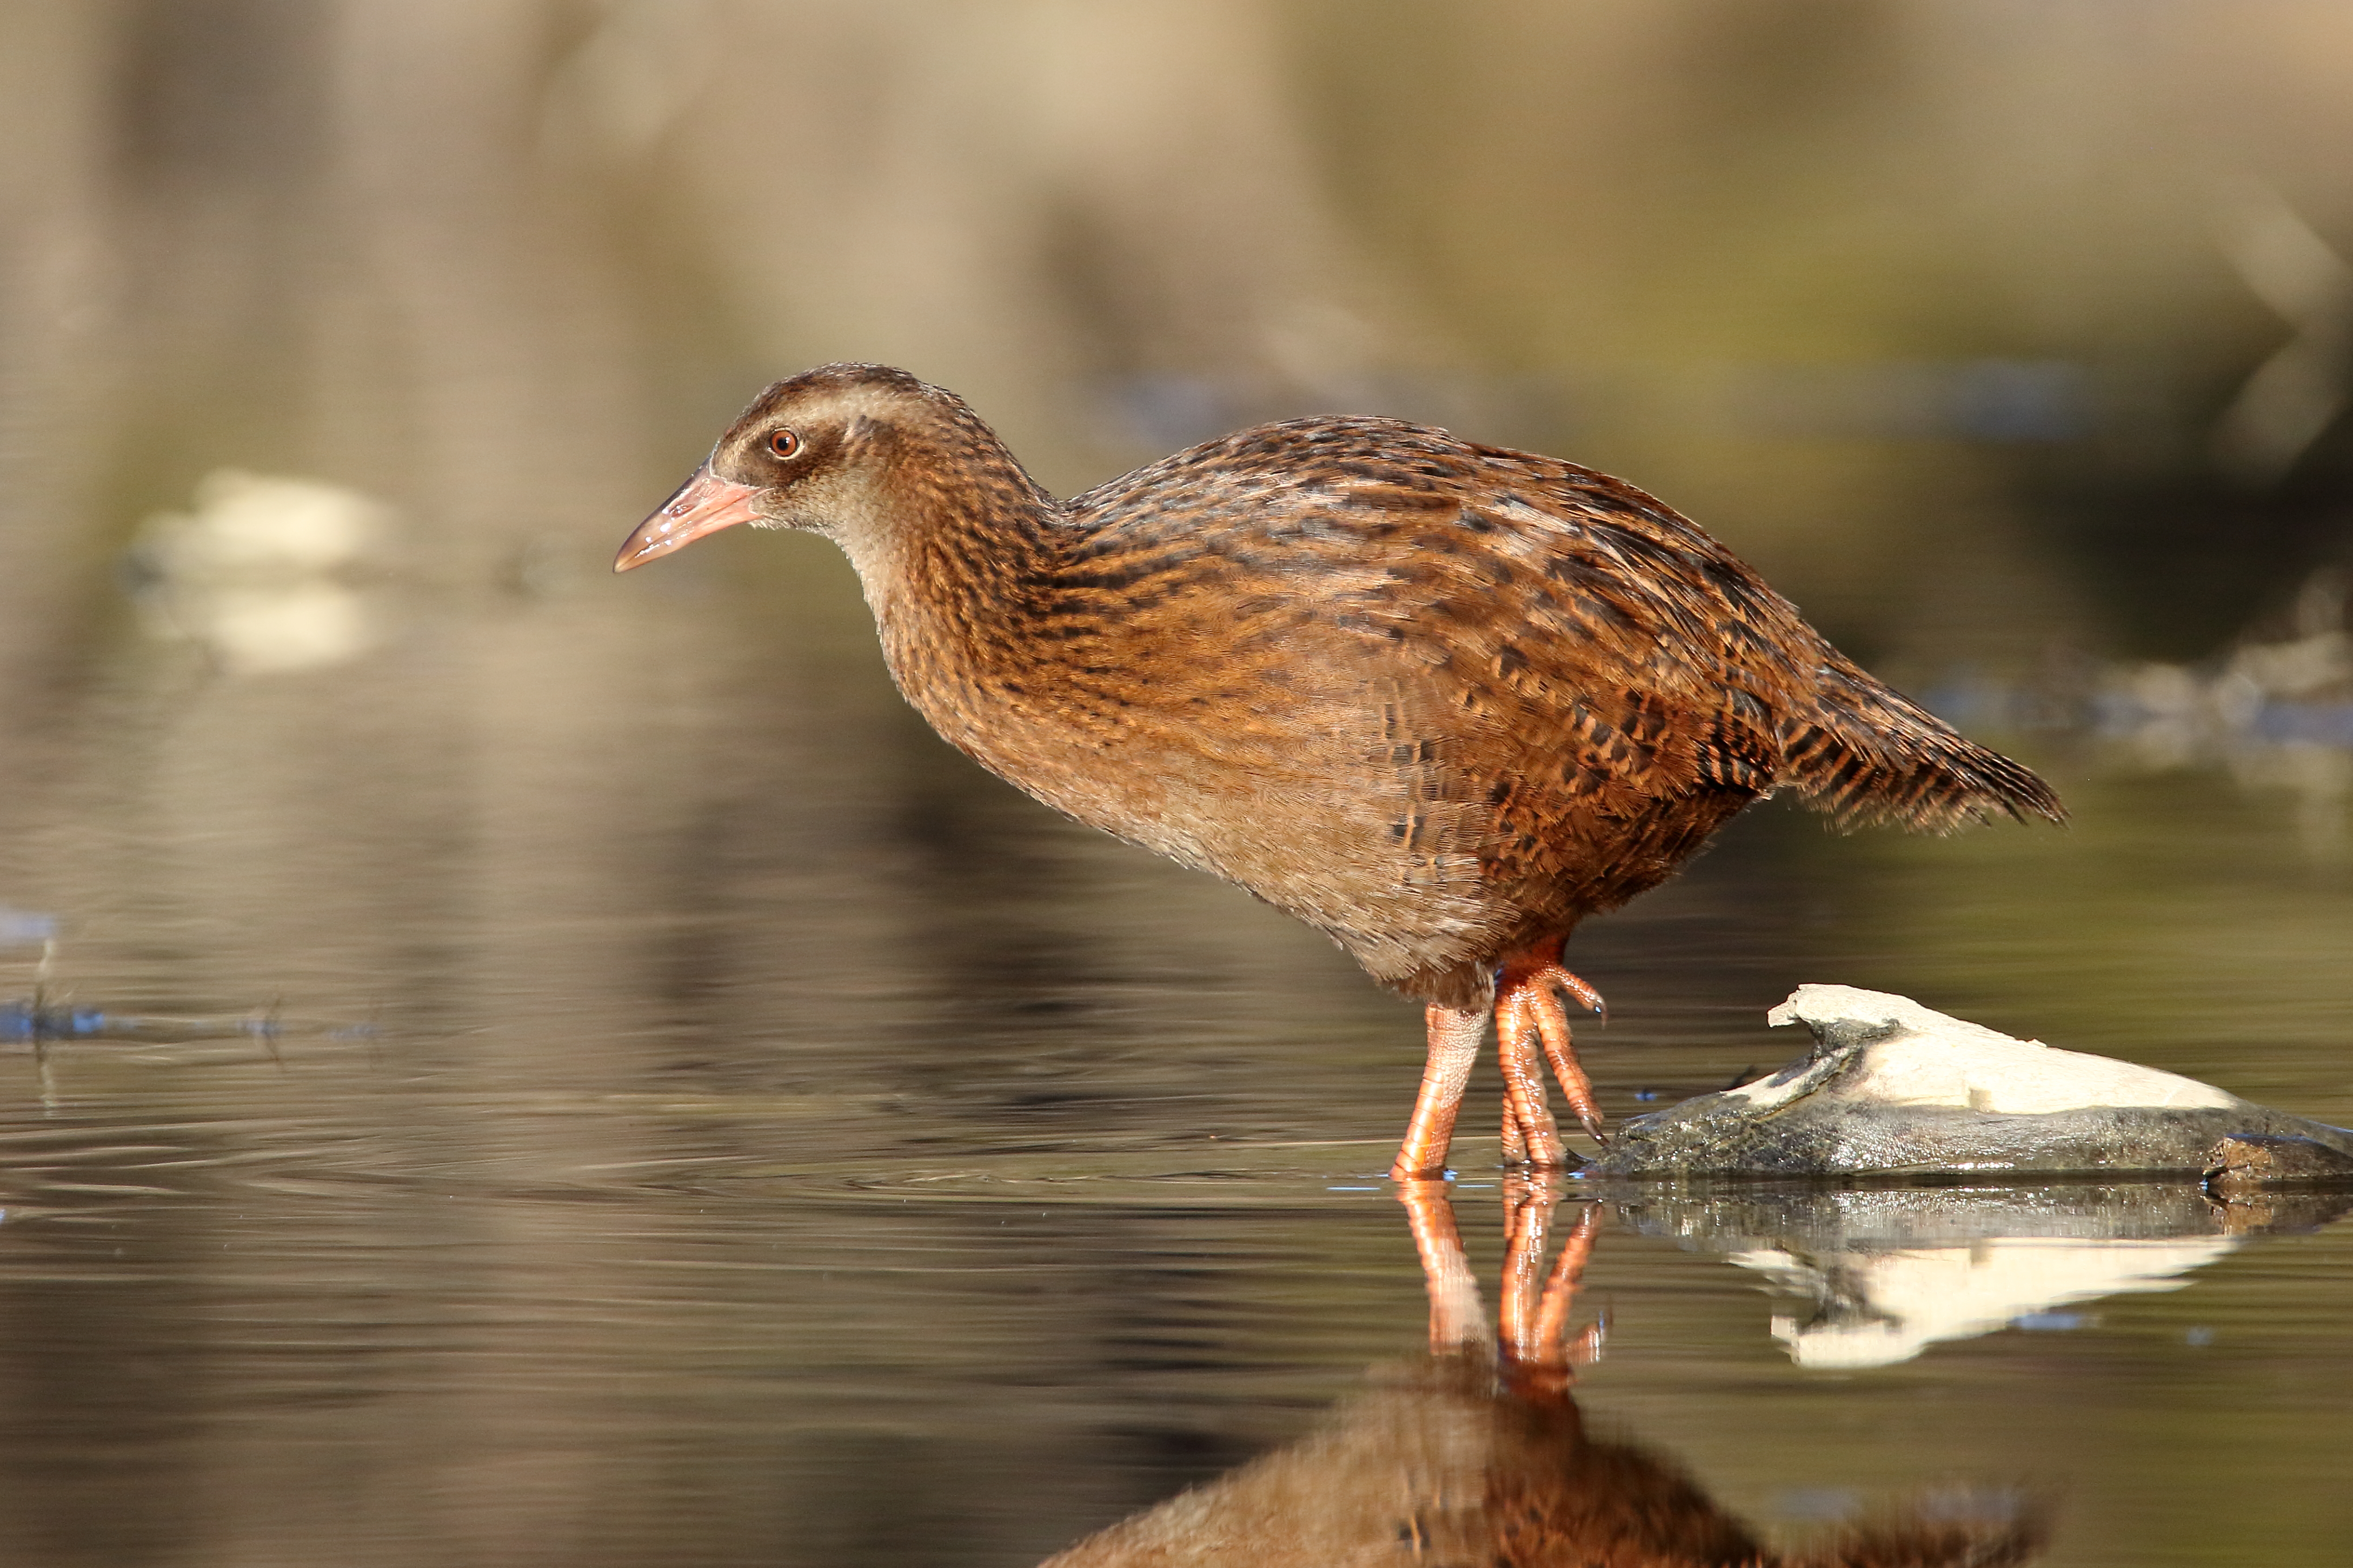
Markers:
1439,700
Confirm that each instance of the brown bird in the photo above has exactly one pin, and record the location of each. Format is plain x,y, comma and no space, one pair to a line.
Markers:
1439,700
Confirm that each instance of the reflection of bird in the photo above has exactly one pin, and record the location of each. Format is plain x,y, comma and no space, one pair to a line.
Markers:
1439,700
1481,1456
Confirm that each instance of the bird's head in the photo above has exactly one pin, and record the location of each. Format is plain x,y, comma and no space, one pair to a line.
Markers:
828,451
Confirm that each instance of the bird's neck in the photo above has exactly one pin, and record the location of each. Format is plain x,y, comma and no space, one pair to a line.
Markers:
963,545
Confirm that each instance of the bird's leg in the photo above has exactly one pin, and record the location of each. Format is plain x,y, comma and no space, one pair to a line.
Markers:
1528,1004
1453,1046
1517,1051
1515,1135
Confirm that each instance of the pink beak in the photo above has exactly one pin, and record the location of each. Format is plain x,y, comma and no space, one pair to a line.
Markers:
704,504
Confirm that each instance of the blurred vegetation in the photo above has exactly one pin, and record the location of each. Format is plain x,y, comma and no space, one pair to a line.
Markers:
508,262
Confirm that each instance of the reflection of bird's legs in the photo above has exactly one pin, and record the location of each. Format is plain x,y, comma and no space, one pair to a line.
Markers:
1530,1024
1536,1357
1453,1046
1456,1318
1535,1316
1528,1202
1561,1294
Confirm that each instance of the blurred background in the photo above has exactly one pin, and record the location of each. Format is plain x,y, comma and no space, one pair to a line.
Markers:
1979,326
342,342
2012,341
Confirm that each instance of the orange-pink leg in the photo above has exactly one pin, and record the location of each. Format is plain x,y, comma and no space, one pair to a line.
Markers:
1531,1023
1531,1029
1530,1136
1453,1046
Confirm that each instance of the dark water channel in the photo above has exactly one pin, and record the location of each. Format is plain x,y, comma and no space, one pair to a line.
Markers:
586,1079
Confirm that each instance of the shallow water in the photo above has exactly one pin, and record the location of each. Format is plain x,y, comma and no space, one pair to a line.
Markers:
641,1098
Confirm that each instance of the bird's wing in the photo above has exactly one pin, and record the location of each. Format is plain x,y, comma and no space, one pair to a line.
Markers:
1584,638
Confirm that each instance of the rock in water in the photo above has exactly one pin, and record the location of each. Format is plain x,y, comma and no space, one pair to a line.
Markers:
1895,1090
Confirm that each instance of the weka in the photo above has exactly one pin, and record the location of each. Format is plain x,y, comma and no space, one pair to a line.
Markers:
1439,700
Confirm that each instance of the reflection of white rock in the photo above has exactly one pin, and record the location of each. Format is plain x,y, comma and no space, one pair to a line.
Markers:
256,572
1879,1307
1928,1058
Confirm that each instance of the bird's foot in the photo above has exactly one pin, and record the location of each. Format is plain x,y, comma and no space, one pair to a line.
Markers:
1531,1138
1532,1028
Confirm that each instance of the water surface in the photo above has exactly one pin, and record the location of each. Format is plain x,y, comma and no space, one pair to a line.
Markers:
638,1098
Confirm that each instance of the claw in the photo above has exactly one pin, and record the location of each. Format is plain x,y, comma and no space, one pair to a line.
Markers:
1575,987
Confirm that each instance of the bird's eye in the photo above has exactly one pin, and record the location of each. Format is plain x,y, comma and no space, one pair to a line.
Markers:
785,444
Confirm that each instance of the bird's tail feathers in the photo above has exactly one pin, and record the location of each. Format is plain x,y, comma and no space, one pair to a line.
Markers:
1867,755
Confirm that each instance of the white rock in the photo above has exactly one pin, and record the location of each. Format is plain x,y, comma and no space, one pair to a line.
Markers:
1933,1059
